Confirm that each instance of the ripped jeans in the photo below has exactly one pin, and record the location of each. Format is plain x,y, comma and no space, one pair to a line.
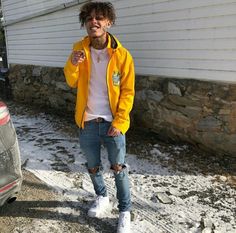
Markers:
91,138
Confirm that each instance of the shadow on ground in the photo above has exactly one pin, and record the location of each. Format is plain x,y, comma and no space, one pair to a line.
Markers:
37,201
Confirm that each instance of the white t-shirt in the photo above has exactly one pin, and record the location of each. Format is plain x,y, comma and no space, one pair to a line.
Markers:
98,103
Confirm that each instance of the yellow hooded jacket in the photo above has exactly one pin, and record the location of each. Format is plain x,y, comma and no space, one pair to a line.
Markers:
120,82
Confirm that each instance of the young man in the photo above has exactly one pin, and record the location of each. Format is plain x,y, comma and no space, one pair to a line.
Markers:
103,73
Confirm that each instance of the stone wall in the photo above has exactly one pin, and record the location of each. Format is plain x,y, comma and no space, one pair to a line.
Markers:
202,113
43,87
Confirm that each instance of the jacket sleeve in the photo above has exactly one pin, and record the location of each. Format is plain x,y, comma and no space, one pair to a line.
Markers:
121,120
71,72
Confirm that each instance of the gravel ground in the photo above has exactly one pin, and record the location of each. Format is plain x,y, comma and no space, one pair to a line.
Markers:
187,159
37,206
40,208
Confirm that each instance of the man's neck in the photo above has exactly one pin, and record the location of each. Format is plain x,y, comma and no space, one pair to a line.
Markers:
99,42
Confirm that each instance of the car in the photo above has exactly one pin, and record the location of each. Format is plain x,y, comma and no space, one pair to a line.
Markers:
10,162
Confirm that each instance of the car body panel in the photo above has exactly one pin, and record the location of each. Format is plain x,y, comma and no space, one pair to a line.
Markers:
10,163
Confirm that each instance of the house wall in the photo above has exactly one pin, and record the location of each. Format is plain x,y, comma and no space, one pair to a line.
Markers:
202,113
43,40
15,9
180,38
173,38
185,59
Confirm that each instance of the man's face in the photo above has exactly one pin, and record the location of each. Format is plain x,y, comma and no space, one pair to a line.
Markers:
96,25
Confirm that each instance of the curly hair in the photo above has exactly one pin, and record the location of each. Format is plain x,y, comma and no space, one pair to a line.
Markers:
104,8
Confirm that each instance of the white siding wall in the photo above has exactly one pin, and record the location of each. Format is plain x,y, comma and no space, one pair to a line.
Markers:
14,9
46,40
180,38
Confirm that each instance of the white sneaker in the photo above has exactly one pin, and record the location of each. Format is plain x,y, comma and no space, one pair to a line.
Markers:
124,222
99,206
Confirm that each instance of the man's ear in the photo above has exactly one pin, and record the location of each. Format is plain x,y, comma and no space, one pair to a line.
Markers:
108,25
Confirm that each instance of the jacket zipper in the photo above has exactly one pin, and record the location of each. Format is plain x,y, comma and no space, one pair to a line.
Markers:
107,83
81,122
89,70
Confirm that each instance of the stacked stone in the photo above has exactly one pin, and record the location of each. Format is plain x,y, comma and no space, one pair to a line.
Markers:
200,112
42,86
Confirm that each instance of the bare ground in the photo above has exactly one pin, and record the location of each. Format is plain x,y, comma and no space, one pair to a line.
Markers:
38,204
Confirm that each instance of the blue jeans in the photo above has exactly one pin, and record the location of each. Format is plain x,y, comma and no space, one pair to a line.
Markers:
91,138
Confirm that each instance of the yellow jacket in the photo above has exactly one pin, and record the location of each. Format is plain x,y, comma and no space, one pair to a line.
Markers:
120,82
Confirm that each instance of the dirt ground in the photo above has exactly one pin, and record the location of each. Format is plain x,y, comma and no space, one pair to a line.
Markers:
36,204
190,160
38,207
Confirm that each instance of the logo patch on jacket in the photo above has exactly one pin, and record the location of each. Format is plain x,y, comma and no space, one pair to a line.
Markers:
116,78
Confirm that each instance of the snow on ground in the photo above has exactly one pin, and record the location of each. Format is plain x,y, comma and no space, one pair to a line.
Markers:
193,202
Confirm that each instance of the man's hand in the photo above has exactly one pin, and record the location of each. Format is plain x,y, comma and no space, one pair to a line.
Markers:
77,57
113,132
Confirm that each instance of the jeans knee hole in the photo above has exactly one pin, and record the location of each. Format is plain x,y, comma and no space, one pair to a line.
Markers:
117,168
93,170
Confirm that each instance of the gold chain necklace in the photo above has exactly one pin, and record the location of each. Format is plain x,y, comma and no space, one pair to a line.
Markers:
99,54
